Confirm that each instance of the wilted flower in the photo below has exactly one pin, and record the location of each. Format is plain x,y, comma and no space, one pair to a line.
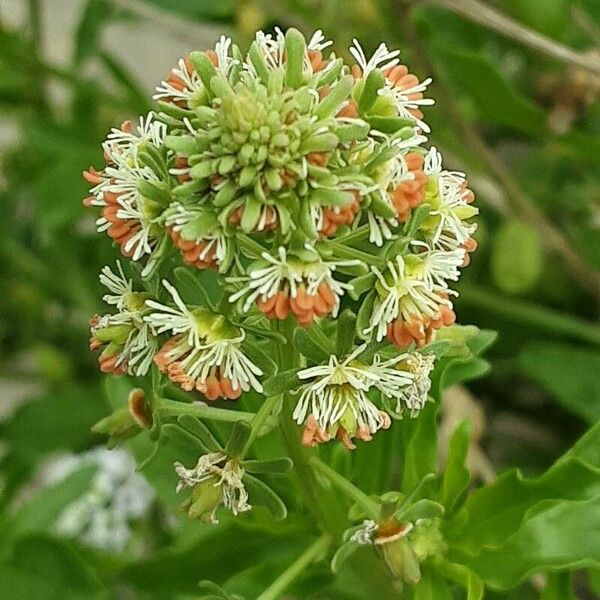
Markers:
216,479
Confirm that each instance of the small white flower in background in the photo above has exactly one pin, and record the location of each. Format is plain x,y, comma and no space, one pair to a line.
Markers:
102,517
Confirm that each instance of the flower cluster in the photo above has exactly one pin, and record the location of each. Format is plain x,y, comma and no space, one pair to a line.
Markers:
302,186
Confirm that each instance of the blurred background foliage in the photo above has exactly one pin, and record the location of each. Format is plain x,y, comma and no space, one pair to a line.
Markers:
523,119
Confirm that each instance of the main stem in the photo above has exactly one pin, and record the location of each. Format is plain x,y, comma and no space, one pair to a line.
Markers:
313,552
315,496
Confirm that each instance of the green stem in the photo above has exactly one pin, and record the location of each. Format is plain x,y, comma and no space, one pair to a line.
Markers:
313,552
530,314
358,235
318,500
248,244
354,493
172,408
353,254
261,416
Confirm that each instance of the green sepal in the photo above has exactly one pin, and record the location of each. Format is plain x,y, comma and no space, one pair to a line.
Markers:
352,132
331,197
418,217
422,509
322,142
360,285
251,214
197,428
295,49
275,465
198,227
313,344
389,124
331,103
204,67
261,494
380,207
187,280
330,74
259,63
374,82
364,315
283,381
259,357
182,144
151,156
342,554
238,439
191,187
220,86
306,221
172,110
346,332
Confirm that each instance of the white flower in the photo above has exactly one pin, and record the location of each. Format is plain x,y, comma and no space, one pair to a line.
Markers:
182,85
205,353
118,284
121,145
452,231
405,295
224,60
440,266
213,240
380,229
338,394
126,219
226,474
405,101
318,42
382,58
415,395
281,273
130,342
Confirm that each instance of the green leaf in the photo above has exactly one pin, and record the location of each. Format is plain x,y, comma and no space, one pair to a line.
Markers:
238,438
261,494
420,453
55,422
577,387
463,576
312,345
494,512
342,554
346,330
195,288
496,101
456,474
560,535
432,586
558,587
201,431
517,258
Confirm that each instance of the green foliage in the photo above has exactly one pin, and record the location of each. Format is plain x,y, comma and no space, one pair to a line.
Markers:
496,534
